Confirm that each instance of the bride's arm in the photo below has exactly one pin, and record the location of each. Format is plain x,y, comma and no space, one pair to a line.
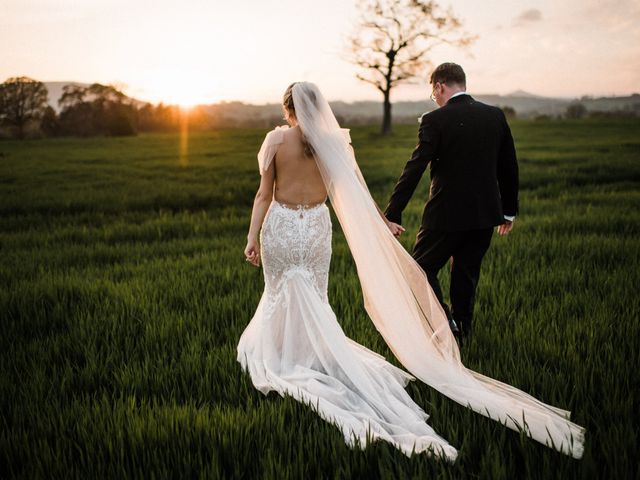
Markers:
261,204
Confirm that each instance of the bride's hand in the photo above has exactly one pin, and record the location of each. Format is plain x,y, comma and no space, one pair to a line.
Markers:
252,252
505,228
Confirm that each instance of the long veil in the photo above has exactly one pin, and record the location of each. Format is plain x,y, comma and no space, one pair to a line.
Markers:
400,301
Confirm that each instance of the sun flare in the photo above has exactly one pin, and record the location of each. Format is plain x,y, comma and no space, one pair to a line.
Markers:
178,87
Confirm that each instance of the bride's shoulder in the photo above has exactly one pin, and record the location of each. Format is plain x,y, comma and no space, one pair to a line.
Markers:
276,136
269,146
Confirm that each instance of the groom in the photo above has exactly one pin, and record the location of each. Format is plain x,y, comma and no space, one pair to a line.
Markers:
474,187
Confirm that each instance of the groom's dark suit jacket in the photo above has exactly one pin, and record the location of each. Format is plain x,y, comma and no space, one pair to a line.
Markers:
473,167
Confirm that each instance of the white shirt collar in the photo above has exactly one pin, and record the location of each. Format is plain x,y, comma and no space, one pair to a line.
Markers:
458,93
454,95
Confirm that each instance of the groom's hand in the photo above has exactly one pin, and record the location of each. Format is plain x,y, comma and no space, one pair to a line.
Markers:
395,228
505,228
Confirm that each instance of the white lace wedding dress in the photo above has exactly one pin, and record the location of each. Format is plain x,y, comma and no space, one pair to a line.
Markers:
294,344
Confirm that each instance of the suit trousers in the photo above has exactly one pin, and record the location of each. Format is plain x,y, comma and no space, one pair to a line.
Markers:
464,250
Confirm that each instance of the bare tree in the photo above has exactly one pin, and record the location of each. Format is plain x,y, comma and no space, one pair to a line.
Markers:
22,99
393,39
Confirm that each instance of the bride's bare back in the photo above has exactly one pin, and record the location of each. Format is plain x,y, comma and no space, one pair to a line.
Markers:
297,178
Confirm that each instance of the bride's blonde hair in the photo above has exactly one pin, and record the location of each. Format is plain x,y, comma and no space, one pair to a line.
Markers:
289,107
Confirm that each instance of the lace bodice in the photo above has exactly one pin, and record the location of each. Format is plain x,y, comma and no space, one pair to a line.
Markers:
296,240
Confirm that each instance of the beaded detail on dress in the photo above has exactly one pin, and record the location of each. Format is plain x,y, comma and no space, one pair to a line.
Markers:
296,240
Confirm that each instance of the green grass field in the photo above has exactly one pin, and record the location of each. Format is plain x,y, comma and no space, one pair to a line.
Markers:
124,291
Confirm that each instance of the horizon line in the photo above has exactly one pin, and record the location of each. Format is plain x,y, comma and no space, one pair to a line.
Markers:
513,93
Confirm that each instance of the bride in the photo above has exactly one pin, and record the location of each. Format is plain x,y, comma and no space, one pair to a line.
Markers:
294,344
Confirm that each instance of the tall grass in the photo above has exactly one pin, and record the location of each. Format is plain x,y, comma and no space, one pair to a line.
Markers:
123,292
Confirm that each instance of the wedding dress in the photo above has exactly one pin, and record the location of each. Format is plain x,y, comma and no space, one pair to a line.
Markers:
294,344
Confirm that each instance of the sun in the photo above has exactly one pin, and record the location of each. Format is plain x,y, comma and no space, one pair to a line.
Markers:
186,100
179,87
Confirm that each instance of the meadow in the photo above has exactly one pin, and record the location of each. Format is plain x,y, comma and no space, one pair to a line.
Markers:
124,290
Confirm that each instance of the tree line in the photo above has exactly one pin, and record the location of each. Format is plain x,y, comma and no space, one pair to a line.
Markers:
84,111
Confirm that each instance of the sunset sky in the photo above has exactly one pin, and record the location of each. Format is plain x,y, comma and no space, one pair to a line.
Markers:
204,51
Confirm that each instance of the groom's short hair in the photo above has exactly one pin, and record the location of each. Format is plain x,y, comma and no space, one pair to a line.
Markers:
449,73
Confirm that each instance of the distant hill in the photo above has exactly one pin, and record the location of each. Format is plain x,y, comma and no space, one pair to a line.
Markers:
524,103
608,104
366,112
523,94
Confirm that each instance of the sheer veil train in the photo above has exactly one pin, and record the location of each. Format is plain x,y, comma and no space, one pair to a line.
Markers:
400,301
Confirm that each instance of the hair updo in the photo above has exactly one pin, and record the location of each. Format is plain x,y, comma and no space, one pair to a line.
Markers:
289,107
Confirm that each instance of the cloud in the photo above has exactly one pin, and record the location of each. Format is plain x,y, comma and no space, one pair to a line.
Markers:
528,16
